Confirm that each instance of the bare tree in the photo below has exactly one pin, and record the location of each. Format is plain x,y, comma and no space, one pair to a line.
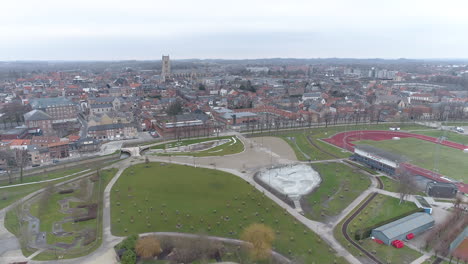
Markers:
187,250
406,185
9,162
327,117
22,159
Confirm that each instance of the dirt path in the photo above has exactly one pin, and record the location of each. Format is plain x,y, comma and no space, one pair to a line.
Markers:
277,145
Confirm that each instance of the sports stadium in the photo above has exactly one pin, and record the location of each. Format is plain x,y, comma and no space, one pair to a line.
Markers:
429,157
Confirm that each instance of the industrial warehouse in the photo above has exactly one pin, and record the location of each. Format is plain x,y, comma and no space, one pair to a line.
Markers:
405,228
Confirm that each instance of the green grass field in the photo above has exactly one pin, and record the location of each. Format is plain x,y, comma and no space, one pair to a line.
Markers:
232,147
452,162
45,176
96,224
52,214
322,150
340,186
380,209
168,197
11,194
390,184
451,136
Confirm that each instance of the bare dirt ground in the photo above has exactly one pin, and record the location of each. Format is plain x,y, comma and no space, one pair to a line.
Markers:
277,145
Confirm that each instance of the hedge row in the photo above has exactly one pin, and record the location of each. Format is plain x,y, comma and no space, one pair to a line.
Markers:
91,214
66,191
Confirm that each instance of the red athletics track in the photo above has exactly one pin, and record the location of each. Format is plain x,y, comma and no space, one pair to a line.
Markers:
345,139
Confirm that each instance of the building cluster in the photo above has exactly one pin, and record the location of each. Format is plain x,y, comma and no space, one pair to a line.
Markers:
83,106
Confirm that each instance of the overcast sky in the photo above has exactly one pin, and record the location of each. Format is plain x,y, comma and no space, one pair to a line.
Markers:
145,29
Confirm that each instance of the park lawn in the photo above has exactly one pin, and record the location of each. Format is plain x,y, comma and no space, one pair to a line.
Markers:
450,135
340,185
455,123
390,184
9,195
380,209
389,254
222,150
186,142
50,214
12,194
324,151
177,198
298,143
47,176
81,250
452,162
12,224
227,148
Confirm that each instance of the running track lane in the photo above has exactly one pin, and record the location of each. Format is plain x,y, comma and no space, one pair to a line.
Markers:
345,139
344,229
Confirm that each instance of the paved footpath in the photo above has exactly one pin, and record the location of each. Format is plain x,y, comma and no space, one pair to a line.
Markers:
234,164
422,259
324,231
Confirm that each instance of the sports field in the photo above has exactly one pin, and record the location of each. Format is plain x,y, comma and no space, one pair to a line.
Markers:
177,198
451,162
308,143
449,135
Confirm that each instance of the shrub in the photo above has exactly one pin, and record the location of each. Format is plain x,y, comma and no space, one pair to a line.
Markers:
66,191
129,257
261,237
128,243
148,247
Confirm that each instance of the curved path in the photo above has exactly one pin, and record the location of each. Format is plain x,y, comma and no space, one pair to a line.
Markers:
50,180
233,164
344,229
231,241
344,139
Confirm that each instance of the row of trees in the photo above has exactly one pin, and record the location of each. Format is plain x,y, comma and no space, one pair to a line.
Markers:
13,114
442,235
15,160
187,250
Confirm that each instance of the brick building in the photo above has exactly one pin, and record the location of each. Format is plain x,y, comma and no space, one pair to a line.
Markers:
59,108
113,131
39,119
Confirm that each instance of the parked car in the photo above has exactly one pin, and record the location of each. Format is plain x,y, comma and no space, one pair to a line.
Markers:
36,165
55,161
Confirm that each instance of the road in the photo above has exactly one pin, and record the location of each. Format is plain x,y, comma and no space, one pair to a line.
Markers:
84,127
